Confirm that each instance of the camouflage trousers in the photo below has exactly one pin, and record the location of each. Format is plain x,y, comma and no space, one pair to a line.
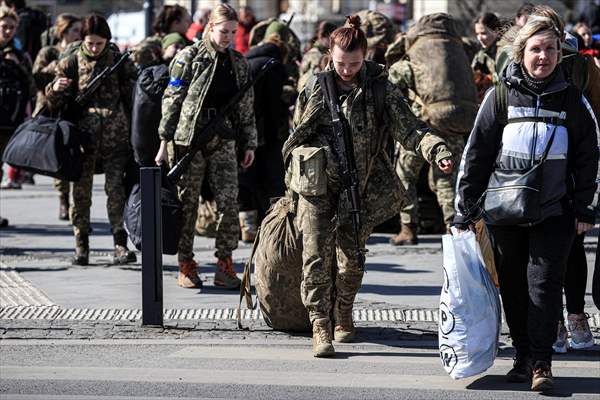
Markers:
222,169
114,186
409,165
330,271
62,186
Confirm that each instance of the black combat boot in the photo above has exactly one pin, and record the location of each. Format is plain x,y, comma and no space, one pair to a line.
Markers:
63,208
122,255
82,250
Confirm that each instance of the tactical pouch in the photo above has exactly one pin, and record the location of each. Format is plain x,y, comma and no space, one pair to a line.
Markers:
308,176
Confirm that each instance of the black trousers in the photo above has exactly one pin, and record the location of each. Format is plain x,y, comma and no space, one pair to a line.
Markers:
263,180
576,277
531,262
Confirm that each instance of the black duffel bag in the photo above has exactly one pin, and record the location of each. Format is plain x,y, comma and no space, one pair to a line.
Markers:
47,146
171,216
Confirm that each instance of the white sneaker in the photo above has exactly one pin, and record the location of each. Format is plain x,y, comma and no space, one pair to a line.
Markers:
581,335
560,345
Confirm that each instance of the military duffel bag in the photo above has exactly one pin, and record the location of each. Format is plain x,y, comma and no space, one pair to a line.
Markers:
277,256
47,146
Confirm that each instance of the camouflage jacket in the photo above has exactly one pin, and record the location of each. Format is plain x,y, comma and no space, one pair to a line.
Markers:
310,64
43,73
485,60
382,192
111,100
191,73
401,75
148,52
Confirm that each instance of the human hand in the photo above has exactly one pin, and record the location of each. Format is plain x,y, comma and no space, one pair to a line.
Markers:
446,166
162,154
470,227
248,159
61,84
583,227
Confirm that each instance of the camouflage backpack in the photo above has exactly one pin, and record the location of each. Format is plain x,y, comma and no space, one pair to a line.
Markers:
444,85
378,28
277,256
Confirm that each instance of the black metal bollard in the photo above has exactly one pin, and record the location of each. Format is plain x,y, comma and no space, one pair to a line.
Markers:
152,290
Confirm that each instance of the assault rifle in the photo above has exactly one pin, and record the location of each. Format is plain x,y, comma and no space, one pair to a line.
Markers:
345,151
75,107
212,127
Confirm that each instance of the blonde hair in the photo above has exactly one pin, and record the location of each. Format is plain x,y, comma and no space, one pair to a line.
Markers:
535,25
6,12
222,13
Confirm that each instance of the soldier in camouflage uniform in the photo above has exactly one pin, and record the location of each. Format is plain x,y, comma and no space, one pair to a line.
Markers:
322,217
409,163
67,30
204,77
105,118
311,60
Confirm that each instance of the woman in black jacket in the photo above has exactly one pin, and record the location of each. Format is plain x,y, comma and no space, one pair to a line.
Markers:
541,112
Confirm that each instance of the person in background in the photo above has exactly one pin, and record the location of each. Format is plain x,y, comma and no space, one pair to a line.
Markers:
583,30
105,117
242,35
171,19
531,260
194,32
204,76
67,30
487,27
18,88
264,180
32,23
311,60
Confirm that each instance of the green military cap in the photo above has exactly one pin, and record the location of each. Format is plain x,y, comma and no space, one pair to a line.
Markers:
172,38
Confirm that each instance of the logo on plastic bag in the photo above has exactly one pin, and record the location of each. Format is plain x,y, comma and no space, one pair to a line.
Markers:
448,357
446,318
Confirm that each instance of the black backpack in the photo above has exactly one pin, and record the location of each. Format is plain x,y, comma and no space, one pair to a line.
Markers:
14,94
146,112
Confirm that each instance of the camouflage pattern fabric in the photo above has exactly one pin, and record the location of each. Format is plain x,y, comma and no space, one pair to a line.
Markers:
62,186
485,60
382,192
183,98
278,269
43,71
409,165
206,223
311,64
147,52
378,28
221,167
104,118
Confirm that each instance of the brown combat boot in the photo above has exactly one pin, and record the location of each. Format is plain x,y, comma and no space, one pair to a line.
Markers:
225,275
188,275
63,207
321,339
542,380
122,255
406,237
248,225
344,330
82,251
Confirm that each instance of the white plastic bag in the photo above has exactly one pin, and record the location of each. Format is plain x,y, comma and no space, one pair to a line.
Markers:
470,313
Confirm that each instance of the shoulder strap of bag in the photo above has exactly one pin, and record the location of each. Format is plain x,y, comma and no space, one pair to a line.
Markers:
246,286
501,97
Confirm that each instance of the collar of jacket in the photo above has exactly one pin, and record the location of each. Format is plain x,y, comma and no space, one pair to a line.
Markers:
512,76
491,50
212,50
88,56
370,70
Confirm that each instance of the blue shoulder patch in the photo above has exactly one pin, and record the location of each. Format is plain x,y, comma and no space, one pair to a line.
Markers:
175,82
